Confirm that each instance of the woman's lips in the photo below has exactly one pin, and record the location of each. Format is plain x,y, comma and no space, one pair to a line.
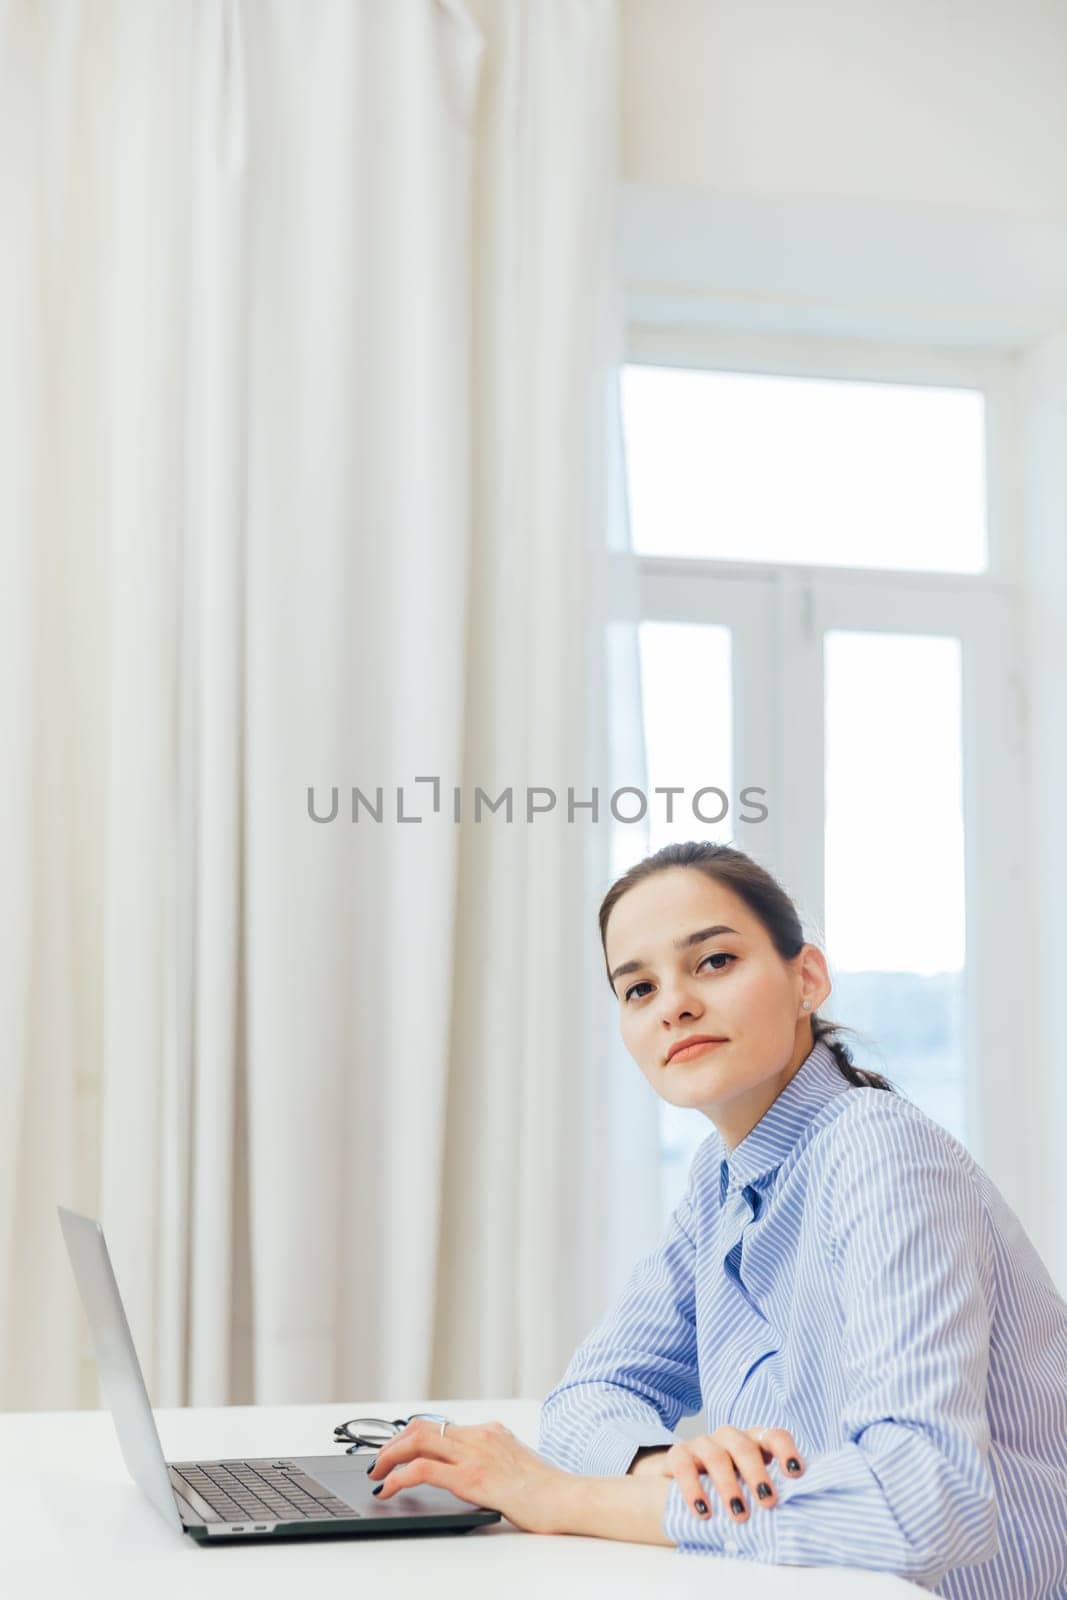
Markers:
695,1049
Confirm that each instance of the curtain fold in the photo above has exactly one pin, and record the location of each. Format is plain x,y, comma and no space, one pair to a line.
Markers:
316,328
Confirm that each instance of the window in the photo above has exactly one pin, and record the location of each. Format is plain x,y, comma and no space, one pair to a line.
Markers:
895,891
827,613
746,466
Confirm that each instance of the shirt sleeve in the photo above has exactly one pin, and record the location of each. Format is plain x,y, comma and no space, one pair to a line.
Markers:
636,1375
909,1490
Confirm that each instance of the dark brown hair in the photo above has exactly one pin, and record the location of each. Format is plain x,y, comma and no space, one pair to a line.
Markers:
767,900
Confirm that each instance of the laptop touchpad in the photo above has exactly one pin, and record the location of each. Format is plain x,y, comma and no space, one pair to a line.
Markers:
349,1482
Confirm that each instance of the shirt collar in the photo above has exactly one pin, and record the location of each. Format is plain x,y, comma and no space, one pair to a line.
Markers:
764,1148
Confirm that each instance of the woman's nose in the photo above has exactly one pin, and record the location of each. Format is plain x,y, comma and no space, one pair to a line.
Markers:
678,1000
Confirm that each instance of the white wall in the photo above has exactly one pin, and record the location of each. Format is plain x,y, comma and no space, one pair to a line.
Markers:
956,103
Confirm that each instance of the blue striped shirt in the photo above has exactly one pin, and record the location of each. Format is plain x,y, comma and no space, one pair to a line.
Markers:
850,1274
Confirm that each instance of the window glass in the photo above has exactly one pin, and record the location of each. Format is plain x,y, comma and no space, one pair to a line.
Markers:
749,467
895,860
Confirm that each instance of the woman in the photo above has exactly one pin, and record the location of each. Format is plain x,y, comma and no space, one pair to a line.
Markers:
878,1351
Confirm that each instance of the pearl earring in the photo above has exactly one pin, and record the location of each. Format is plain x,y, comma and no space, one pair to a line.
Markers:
807,1005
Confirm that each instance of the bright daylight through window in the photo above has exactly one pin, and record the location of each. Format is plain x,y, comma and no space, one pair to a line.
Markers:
882,478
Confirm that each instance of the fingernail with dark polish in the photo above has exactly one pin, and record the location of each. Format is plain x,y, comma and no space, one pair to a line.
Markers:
701,1507
763,1490
378,1487
793,1464
737,1507
371,1468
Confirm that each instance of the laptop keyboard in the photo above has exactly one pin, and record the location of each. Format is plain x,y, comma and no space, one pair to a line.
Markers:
259,1491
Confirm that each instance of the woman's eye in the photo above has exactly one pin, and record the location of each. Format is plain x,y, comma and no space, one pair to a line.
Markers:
722,956
719,955
633,987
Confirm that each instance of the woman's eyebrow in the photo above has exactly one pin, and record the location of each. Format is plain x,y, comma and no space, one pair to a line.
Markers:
679,944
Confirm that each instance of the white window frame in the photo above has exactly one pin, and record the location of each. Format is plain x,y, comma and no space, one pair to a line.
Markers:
792,606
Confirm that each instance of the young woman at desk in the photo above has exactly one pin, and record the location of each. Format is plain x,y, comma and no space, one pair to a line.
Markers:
877,1349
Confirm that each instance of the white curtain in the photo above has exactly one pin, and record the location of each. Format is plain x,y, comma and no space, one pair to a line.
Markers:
312,319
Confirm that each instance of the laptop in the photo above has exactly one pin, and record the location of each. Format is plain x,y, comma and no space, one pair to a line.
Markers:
268,1497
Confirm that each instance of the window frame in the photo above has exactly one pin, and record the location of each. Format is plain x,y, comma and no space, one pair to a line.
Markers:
791,606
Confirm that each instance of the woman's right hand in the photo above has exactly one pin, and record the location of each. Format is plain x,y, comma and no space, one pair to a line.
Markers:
726,1456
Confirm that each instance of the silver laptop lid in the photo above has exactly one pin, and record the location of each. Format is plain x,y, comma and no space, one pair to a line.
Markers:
120,1370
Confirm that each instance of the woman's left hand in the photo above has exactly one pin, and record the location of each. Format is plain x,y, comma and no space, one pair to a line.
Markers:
484,1464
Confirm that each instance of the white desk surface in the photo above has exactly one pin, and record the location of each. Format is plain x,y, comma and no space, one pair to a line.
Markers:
75,1525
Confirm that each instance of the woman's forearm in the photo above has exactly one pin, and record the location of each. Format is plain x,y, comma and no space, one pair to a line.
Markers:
645,1463
615,1508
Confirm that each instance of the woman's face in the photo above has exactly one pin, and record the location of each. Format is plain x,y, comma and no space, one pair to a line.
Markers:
698,963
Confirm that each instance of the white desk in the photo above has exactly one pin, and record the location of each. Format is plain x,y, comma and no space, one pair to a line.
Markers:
74,1524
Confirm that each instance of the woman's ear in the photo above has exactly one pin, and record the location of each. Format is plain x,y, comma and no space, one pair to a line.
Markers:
814,976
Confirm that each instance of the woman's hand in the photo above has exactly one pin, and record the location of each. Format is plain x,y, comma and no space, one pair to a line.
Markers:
728,1456
485,1464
